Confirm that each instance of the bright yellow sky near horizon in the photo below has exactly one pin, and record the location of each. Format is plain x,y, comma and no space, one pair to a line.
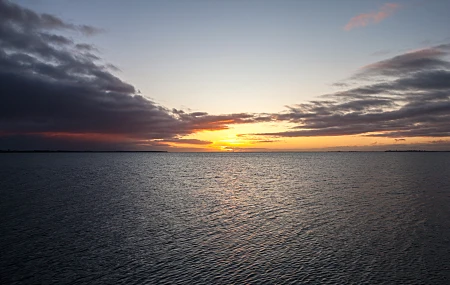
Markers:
240,138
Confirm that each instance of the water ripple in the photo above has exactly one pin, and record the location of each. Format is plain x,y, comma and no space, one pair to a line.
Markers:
279,218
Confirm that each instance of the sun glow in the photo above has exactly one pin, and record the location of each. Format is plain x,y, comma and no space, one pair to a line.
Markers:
236,138
232,143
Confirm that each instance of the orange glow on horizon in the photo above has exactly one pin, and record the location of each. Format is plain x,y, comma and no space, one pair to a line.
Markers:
245,138
240,138
84,136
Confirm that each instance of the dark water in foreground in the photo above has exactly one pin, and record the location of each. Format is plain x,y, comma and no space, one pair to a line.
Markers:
166,218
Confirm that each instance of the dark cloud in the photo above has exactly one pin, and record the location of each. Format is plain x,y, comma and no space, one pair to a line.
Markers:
42,141
340,84
410,99
115,68
86,47
55,94
440,142
198,121
187,141
410,62
30,21
56,39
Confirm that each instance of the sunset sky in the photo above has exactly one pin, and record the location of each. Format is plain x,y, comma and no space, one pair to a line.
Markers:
231,75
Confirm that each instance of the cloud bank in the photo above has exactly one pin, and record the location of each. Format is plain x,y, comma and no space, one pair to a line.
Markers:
375,17
405,96
58,94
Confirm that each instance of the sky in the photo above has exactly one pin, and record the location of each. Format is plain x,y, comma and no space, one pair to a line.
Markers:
230,75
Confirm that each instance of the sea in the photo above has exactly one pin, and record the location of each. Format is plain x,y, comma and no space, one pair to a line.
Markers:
225,218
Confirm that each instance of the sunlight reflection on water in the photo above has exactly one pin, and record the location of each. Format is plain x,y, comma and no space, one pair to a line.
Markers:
317,218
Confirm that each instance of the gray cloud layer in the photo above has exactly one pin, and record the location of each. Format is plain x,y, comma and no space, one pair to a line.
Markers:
51,85
404,96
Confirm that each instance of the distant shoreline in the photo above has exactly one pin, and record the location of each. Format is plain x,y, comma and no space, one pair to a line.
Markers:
412,150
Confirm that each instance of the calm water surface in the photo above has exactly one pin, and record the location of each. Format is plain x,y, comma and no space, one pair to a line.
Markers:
278,218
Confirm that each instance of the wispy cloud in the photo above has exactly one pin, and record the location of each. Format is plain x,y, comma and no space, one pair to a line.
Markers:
409,62
374,17
404,96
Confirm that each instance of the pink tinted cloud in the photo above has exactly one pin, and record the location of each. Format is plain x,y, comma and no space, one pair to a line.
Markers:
365,19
